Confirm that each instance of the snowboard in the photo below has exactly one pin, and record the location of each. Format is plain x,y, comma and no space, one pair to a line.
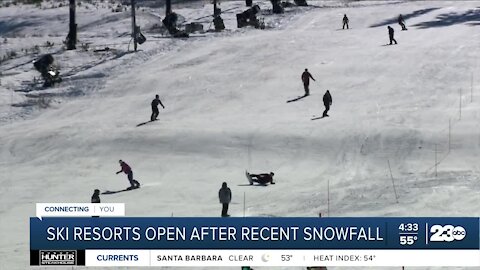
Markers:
144,123
388,44
132,188
106,192
320,117
248,177
297,98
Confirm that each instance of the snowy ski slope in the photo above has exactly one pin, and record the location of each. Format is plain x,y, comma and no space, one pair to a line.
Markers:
225,97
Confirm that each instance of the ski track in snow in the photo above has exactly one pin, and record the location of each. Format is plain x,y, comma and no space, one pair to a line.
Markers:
225,112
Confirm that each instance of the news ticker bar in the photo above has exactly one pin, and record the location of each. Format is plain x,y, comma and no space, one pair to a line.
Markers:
223,258
254,233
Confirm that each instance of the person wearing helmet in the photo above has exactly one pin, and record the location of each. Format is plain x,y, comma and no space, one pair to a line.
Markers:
263,178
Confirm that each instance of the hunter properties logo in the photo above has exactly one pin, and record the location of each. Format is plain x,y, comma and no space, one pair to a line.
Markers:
58,257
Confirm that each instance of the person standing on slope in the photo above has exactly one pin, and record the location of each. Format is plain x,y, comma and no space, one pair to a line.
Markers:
128,171
391,33
263,178
327,102
401,21
225,197
155,111
345,21
306,81
96,196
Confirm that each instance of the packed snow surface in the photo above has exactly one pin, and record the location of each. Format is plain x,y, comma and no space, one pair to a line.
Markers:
407,106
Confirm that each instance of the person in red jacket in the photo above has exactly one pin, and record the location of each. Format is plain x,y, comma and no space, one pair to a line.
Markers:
306,81
128,171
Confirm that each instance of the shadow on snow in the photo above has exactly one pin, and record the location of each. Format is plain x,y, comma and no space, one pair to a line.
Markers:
297,99
7,27
405,17
447,19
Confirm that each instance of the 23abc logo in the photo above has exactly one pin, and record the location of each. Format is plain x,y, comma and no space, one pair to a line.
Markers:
447,233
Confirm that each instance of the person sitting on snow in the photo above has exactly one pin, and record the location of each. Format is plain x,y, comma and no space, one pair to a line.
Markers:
263,178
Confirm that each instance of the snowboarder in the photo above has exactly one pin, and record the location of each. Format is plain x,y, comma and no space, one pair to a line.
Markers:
155,111
327,102
306,81
225,196
390,35
96,196
345,21
401,21
263,178
128,171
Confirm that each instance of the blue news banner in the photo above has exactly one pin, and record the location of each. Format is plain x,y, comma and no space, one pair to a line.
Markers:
254,233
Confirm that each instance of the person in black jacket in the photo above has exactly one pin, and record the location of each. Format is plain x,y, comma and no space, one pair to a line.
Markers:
155,111
401,21
390,35
345,21
306,81
263,178
225,197
327,102
96,196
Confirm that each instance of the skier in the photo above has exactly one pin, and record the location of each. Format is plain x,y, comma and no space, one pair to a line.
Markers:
96,196
345,21
225,196
390,35
327,102
155,111
306,81
128,171
401,21
263,178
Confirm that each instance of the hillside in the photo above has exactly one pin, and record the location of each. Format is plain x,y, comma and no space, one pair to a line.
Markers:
225,96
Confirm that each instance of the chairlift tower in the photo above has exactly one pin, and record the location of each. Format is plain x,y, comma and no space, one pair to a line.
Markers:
217,20
168,7
72,33
134,26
